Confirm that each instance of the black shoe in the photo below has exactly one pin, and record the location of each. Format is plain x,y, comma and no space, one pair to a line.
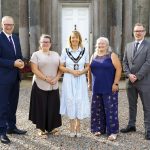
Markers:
147,135
128,129
16,131
4,139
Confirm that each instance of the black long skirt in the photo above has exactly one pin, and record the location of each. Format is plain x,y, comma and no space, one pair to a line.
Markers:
44,108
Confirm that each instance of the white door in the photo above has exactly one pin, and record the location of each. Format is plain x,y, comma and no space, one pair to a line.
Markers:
75,17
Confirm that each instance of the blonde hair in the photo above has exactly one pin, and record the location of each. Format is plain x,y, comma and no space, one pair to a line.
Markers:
77,34
105,40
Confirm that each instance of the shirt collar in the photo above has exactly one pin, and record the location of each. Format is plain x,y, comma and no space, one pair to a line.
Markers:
71,50
8,35
139,41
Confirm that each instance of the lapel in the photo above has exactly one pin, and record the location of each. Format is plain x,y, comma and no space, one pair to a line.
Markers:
132,50
7,40
5,37
139,50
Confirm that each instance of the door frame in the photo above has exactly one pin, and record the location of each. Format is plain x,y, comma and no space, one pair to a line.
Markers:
60,7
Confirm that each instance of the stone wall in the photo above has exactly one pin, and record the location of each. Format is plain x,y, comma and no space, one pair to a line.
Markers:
111,18
11,8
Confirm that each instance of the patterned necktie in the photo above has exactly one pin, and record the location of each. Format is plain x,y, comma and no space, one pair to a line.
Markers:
135,48
11,42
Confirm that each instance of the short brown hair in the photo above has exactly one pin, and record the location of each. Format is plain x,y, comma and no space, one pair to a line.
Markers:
45,36
139,24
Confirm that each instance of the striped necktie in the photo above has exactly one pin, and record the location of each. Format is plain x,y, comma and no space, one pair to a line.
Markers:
12,44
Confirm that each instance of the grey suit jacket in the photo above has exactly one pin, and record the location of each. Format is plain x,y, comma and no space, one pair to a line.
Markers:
139,64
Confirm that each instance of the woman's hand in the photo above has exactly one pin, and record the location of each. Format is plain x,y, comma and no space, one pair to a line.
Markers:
76,73
115,88
54,81
48,79
90,87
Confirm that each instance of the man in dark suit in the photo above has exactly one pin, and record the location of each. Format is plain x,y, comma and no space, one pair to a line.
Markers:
10,63
136,64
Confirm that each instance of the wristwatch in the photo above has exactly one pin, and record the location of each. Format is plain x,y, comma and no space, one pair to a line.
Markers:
116,84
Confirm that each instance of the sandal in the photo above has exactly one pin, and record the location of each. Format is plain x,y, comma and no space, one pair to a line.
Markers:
42,134
78,134
112,137
55,132
97,133
72,134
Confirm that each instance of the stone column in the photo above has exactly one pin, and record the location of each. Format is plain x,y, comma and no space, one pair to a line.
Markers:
144,6
149,22
24,27
34,21
54,25
102,13
46,10
141,12
127,23
95,20
115,22
0,8
99,17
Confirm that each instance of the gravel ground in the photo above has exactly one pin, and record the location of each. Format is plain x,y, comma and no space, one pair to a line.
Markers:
30,141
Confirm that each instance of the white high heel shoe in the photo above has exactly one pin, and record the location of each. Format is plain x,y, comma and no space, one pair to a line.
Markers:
78,134
112,137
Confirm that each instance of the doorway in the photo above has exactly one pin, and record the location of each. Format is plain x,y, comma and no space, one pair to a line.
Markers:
75,18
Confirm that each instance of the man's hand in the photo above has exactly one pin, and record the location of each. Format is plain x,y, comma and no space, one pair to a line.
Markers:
19,63
132,78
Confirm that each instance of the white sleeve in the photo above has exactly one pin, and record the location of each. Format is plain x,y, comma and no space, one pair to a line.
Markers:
34,58
63,56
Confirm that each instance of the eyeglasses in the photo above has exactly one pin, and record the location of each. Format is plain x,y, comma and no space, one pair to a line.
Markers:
46,42
9,25
137,31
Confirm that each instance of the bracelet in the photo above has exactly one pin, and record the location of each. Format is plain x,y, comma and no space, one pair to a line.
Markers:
45,78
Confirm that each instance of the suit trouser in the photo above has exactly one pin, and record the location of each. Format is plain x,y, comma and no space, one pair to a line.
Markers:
9,95
132,93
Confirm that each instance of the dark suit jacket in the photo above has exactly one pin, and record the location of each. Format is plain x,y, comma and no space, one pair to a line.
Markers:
139,64
9,73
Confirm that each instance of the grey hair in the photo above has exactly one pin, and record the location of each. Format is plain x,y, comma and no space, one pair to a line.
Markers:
7,17
106,41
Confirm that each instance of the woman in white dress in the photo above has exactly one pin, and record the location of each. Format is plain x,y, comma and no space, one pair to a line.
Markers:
74,98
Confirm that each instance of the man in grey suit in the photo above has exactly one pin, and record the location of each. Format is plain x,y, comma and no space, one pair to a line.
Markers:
136,64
